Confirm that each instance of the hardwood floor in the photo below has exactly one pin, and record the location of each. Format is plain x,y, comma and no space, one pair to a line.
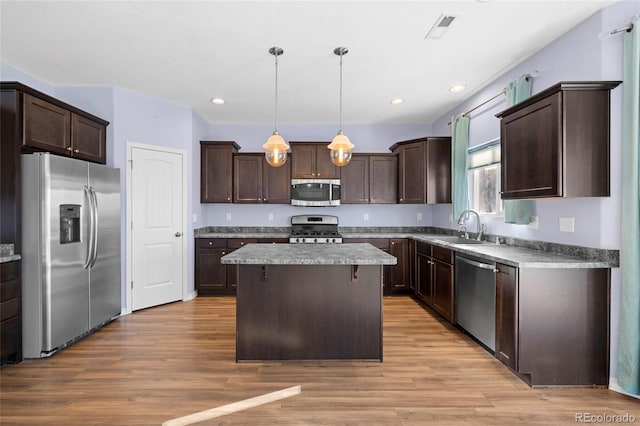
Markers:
178,359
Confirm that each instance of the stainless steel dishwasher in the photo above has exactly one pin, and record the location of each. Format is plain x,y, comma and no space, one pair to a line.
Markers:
475,282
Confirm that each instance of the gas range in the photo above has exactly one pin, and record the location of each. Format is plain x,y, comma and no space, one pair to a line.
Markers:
314,229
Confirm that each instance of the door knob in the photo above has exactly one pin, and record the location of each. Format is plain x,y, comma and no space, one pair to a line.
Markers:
178,234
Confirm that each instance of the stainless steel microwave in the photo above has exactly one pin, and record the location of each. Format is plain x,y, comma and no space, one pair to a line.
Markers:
315,192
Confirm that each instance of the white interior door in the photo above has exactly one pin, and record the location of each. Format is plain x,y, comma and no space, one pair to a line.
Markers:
156,227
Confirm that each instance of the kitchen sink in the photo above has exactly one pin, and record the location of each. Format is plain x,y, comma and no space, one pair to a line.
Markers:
457,240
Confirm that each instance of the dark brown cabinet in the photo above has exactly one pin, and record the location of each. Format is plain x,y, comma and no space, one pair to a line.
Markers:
434,276
48,126
255,181
311,160
10,313
39,122
552,325
556,143
216,171
210,274
506,315
398,277
370,179
424,170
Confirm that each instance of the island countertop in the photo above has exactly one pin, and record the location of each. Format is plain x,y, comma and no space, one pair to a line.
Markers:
309,254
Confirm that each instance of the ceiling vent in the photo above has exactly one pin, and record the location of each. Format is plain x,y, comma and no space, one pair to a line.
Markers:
440,27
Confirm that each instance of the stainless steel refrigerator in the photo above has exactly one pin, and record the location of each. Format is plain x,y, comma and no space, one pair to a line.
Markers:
71,250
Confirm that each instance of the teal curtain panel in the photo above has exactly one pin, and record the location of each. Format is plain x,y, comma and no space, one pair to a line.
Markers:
629,337
460,145
519,211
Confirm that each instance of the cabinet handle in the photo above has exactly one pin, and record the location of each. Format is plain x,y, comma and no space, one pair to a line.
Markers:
241,243
401,199
210,243
228,199
76,150
69,149
224,252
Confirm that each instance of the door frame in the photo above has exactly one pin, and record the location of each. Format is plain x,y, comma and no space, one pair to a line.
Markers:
129,260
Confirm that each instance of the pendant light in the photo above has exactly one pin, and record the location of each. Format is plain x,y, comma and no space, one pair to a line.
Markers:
276,148
340,146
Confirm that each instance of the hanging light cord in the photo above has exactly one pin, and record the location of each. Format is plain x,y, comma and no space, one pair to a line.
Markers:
275,114
341,90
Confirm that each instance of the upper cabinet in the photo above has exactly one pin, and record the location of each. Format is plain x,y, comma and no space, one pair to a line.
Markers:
424,170
216,171
255,181
311,160
556,143
370,179
48,124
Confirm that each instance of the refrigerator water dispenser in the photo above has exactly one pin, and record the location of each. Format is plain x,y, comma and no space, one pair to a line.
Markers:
69,223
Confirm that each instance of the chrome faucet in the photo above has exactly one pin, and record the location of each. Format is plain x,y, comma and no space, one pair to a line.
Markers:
479,225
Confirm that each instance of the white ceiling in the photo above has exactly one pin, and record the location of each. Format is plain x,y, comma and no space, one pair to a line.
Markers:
189,52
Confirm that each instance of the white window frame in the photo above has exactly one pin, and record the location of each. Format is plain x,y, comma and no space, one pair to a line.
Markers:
490,161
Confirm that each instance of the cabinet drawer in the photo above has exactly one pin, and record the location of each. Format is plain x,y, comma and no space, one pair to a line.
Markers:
423,248
235,243
443,254
9,309
9,289
211,243
9,271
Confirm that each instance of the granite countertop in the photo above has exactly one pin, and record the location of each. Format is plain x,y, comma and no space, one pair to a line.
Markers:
521,254
7,254
309,254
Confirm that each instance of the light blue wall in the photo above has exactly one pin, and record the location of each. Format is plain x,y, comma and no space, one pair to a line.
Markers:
580,54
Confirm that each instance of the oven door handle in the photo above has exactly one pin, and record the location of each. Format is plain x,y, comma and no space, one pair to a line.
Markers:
488,266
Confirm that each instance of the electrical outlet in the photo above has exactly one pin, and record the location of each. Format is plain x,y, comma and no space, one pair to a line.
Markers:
419,216
195,218
366,216
450,217
270,217
533,224
228,216
567,224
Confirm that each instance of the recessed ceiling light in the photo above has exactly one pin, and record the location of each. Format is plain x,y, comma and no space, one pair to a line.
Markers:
397,101
457,88
217,101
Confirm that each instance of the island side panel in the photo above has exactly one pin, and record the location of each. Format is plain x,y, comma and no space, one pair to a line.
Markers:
309,312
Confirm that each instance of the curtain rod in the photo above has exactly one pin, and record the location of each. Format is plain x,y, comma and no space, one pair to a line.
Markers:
504,91
628,29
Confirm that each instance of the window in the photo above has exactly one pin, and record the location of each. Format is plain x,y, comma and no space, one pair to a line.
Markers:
484,178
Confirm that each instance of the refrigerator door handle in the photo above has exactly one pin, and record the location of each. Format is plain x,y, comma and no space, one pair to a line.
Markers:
87,193
94,255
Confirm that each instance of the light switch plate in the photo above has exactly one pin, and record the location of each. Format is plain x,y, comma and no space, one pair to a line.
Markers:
366,216
195,218
567,224
270,217
419,216
228,216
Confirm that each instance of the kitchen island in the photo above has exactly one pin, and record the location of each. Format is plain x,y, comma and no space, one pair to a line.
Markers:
309,301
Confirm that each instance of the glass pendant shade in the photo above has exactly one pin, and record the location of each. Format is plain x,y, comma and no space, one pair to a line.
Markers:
275,150
340,148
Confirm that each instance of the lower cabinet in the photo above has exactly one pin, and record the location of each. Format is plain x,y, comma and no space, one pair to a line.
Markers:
434,278
552,325
10,313
212,278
